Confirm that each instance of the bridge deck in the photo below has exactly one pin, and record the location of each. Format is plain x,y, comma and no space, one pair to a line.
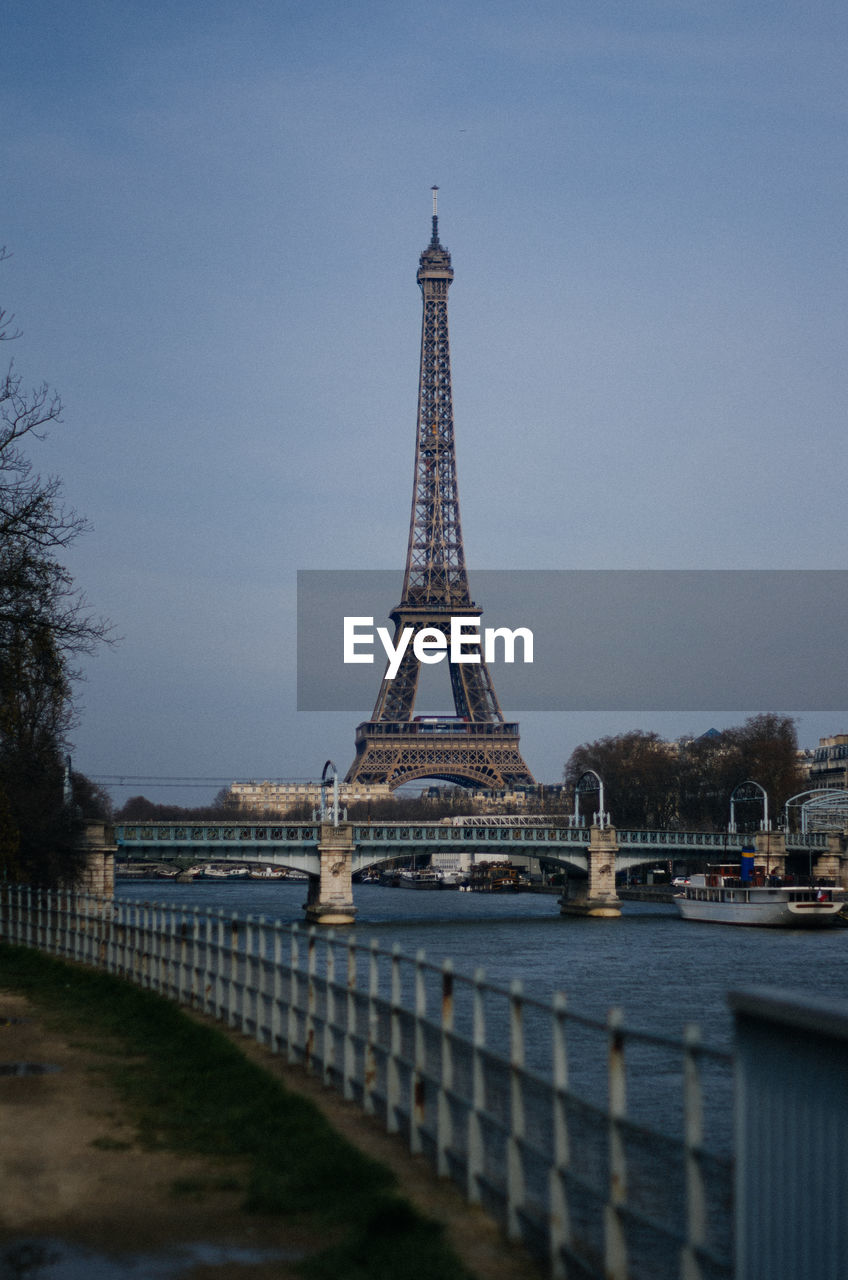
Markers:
297,843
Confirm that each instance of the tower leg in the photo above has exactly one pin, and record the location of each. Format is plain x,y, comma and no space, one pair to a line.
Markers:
595,896
330,898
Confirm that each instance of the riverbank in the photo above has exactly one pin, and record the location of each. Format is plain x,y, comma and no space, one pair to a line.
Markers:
161,1136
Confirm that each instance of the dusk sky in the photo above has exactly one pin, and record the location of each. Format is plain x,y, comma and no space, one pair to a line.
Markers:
215,214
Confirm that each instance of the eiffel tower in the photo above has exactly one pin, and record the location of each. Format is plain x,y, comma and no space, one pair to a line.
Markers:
476,746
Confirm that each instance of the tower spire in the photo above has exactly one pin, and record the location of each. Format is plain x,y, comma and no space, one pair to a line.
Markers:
434,242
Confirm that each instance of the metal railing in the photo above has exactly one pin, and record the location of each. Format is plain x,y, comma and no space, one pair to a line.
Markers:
585,1139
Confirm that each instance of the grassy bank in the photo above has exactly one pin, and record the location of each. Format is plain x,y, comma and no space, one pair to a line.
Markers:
188,1088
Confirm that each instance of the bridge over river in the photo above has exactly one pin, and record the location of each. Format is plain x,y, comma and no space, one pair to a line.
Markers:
332,854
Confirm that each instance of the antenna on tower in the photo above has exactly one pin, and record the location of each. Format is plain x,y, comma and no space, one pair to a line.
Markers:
435,239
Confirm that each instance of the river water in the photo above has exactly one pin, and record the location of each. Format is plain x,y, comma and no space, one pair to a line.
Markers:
662,970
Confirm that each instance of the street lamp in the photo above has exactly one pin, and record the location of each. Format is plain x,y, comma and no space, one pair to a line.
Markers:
335,809
745,791
601,818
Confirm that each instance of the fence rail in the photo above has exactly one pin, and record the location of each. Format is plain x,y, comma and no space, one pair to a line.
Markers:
585,1139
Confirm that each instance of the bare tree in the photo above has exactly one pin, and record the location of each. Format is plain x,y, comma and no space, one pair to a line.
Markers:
45,624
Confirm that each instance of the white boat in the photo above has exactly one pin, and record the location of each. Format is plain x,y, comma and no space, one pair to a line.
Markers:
722,897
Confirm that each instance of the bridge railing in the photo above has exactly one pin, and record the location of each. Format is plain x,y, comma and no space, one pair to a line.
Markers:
680,839
807,840
586,1139
215,833
418,833
203,839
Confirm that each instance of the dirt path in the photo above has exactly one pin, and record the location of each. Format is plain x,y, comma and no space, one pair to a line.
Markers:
70,1170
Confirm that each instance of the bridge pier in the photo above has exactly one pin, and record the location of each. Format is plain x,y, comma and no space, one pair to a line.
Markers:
831,863
825,864
98,872
595,896
770,851
330,897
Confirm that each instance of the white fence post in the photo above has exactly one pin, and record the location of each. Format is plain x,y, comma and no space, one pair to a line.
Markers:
205,975
250,990
309,1046
560,1240
515,1142
328,1046
144,972
393,1063
294,994
444,1122
45,913
693,1137
615,1244
369,1081
233,973
263,983
194,983
475,1159
417,1085
349,1068
276,1027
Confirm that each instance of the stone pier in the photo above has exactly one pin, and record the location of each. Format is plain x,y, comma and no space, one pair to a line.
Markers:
831,864
825,864
770,852
98,875
330,897
596,895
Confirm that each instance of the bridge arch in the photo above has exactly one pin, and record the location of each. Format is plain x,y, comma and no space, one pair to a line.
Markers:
460,773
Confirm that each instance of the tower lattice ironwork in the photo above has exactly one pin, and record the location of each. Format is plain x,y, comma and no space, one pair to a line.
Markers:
476,745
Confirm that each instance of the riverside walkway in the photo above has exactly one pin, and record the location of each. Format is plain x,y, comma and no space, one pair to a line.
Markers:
74,1174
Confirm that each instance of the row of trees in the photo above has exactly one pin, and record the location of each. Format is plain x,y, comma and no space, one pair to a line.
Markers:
46,626
687,785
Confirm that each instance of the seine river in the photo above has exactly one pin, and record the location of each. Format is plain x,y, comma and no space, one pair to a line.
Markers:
662,970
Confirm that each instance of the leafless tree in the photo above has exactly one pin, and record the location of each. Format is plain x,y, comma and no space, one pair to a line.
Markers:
45,625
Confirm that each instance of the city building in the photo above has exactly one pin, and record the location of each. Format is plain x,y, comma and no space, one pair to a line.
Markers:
829,765
284,797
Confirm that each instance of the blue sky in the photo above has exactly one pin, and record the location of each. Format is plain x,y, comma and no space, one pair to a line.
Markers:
215,215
